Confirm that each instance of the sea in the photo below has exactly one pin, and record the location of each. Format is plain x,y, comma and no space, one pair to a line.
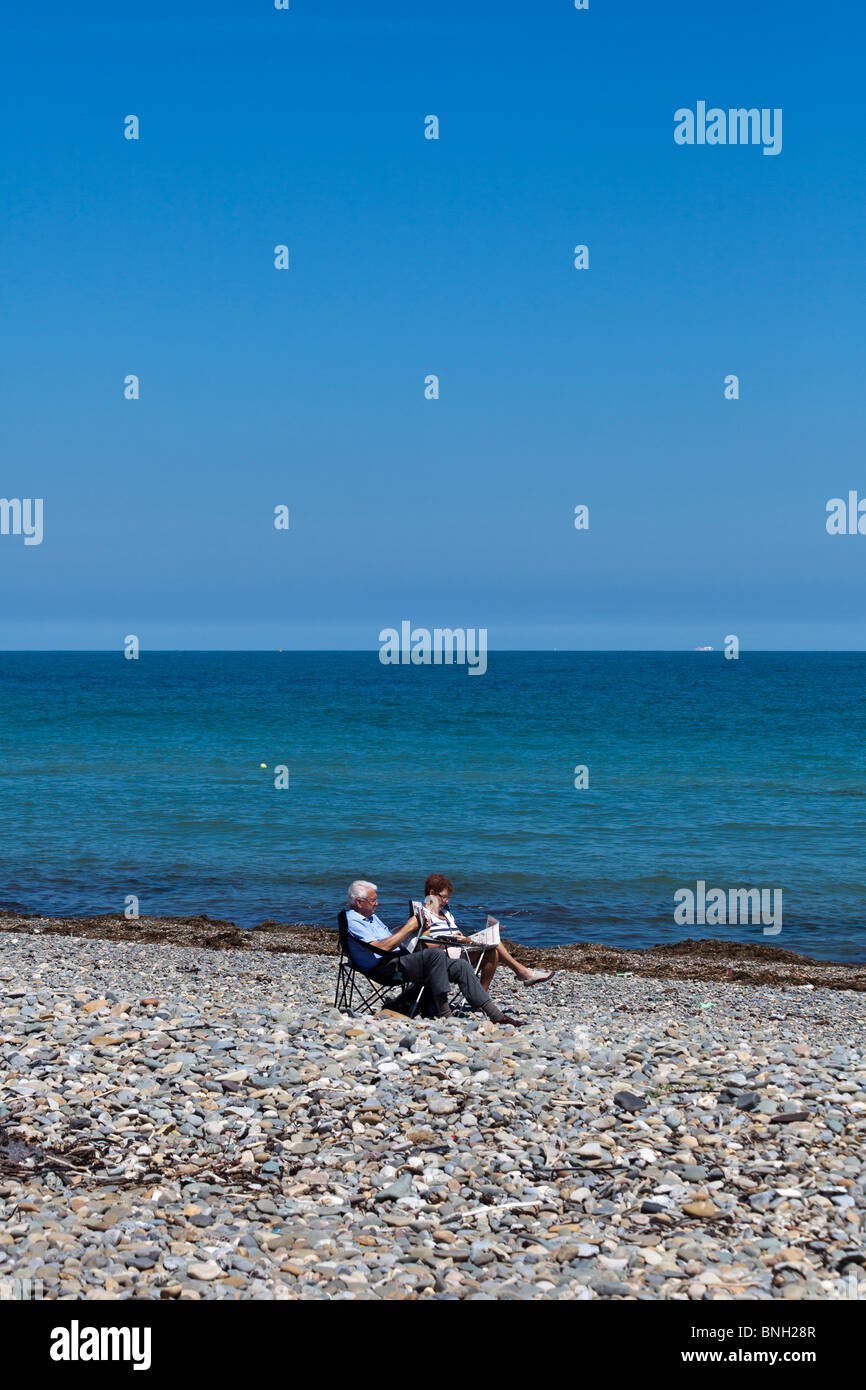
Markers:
254,786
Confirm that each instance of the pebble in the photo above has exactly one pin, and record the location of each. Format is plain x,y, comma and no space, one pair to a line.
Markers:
221,1131
747,1100
209,1270
627,1100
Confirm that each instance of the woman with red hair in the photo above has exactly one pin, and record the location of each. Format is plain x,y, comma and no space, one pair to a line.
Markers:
437,893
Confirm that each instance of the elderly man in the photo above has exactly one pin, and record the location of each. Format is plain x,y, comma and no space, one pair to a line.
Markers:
431,968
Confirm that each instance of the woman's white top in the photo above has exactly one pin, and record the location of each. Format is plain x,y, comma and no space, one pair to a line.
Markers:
441,924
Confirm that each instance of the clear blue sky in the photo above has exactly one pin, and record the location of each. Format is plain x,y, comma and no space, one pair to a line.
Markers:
411,257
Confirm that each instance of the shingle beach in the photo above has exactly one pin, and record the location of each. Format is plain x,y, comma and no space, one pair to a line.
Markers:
185,1122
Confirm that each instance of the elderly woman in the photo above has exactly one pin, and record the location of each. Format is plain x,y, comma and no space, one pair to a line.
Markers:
437,894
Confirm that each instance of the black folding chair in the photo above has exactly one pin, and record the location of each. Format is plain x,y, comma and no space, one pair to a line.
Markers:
359,990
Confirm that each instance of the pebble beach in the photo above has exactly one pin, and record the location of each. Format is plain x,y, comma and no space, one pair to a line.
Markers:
180,1122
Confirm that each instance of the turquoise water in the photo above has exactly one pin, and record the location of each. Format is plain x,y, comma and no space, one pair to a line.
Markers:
143,777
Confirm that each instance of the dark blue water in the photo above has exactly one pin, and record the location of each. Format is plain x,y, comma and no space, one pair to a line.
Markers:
142,777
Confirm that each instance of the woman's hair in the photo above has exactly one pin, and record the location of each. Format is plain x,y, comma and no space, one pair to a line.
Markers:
438,883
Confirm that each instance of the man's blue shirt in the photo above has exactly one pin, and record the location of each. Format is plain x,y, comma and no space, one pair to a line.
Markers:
370,928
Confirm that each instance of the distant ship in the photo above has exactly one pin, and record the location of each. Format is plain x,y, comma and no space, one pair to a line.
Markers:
703,649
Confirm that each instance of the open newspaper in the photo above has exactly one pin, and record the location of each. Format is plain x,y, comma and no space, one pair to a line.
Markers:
489,935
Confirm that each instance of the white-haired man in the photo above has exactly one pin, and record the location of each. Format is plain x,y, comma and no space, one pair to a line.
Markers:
431,968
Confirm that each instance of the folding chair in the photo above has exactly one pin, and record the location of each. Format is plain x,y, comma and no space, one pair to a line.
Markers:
357,990
457,1003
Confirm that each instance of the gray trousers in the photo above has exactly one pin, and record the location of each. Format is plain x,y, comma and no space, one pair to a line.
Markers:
435,968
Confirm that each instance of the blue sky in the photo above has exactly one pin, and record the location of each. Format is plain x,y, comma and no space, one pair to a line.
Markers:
411,257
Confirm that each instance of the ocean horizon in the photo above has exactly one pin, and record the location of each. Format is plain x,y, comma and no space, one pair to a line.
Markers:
143,779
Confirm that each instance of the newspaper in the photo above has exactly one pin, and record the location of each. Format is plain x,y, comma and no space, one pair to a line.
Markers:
489,936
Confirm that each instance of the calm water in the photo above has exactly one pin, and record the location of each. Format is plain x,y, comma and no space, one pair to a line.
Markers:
143,777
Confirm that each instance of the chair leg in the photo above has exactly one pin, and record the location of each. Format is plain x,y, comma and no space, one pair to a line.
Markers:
340,991
458,1004
370,994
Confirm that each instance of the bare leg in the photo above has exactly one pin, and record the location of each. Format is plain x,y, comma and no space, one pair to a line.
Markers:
494,956
506,958
489,962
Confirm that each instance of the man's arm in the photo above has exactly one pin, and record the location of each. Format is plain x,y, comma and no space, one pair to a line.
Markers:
397,938
389,943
